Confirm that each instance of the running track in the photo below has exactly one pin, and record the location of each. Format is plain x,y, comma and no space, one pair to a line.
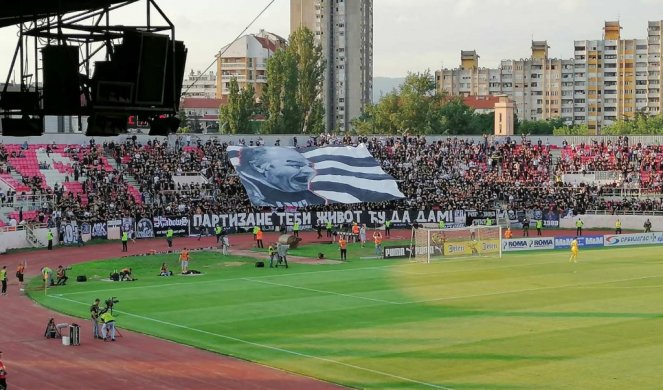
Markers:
135,361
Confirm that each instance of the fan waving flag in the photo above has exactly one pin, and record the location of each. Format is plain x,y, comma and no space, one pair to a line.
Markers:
282,177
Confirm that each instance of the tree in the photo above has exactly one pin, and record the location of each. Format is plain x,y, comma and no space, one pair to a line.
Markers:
293,97
642,124
572,130
236,115
540,127
414,108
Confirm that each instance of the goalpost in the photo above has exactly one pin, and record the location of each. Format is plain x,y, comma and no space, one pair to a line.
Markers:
436,244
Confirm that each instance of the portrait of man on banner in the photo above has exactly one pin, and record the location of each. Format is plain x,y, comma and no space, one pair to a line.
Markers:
277,177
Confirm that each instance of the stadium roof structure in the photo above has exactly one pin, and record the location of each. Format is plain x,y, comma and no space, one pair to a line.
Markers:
13,12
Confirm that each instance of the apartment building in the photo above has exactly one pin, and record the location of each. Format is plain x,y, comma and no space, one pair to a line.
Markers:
246,60
606,80
199,85
344,29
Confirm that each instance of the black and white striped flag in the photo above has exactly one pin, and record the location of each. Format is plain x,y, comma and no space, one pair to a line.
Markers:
278,176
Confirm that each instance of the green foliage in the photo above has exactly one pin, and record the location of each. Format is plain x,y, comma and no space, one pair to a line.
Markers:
642,124
540,127
235,117
572,130
292,99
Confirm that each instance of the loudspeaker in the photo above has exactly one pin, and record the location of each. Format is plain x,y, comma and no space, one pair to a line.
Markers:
260,264
164,126
81,278
62,93
174,74
152,69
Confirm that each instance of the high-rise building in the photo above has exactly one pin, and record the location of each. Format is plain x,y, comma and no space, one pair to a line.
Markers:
199,85
246,60
606,80
344,29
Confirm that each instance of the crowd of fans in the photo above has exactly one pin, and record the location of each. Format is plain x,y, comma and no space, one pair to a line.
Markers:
453,173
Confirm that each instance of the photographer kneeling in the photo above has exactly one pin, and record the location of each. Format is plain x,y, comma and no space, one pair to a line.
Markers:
107,326
125,274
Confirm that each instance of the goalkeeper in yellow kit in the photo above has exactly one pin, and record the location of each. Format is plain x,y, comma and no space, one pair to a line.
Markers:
574,250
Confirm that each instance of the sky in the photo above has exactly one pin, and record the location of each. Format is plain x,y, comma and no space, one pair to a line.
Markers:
409,35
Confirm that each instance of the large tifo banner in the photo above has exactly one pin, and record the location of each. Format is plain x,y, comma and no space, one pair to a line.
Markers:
280,177
202,223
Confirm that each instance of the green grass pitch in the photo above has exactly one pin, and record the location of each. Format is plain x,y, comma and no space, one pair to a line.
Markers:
526,321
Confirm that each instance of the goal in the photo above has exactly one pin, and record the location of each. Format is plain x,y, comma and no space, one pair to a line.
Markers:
435,244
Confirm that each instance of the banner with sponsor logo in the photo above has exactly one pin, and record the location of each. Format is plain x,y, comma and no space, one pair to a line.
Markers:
180,225
399,218
471,247
406,251
634,239
528,244
584,241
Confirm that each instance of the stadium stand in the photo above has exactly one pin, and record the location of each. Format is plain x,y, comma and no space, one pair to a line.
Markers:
92,181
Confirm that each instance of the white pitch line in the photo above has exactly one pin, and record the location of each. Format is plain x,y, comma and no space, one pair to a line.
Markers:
322,291
528,290
265,346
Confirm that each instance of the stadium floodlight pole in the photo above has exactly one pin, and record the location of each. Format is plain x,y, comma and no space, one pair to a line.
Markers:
228,47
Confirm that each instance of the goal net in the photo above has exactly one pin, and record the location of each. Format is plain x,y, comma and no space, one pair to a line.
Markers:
434,244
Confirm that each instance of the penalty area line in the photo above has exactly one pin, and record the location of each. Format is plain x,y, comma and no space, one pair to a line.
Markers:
273,348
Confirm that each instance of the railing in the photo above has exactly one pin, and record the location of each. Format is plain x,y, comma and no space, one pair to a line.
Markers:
653,213
31,237
28,202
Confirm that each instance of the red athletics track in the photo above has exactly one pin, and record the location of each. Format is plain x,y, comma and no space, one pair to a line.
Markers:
135,361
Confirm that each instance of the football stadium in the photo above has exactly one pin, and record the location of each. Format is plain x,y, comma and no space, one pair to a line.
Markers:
164,258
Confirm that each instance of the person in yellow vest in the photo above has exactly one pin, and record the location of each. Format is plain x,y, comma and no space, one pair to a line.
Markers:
107,326
295,229
49,237
618,226
508,233
169,237
441,224
574,250
329,227
343,246
377,239
3,279
217,232
272,252
255,232
539,226
387,228
579,225
47,275
259,238
125,241
489,222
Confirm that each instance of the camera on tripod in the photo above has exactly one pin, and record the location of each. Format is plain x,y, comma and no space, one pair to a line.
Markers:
109,305
111,301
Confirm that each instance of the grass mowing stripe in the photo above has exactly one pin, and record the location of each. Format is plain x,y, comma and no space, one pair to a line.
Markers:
322,291
265,346
216,280
531,289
